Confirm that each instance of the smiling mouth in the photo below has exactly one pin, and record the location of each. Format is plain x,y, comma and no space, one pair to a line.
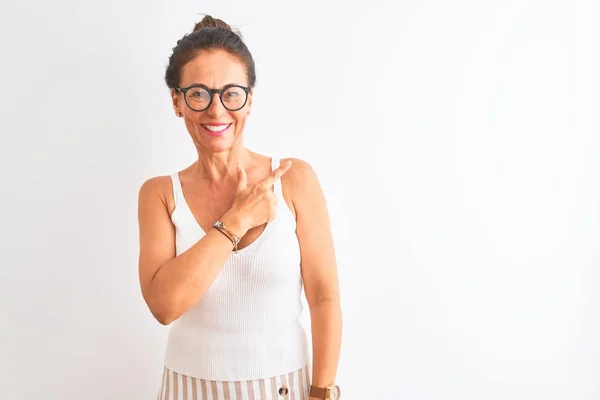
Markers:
216,130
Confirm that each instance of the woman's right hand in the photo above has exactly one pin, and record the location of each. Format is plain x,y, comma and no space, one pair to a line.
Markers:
253,205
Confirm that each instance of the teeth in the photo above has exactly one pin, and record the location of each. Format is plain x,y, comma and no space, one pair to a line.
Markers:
213,128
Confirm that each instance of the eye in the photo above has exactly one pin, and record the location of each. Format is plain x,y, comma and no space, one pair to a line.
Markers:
198,94
231,95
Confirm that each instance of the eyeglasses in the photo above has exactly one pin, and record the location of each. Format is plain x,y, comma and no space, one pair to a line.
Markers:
198,97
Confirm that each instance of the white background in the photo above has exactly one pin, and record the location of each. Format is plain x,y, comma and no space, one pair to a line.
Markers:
457,142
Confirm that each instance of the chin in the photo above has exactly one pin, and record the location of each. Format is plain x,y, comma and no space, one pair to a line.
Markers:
218,144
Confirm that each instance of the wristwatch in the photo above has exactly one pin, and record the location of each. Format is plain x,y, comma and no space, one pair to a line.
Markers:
327,393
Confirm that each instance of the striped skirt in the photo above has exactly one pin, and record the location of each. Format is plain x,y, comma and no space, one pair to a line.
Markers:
292,386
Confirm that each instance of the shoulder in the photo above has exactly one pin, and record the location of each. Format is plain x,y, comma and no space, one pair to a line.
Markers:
158,188
300,169
299,174
300,181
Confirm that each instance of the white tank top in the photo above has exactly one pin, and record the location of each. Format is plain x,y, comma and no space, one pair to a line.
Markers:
246,326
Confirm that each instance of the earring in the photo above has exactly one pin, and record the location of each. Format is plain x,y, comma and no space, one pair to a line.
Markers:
248,113
179,114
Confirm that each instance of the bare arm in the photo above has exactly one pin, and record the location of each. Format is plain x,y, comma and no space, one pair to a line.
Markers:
171,285
319,271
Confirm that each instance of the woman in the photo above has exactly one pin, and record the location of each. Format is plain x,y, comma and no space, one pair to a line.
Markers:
227,244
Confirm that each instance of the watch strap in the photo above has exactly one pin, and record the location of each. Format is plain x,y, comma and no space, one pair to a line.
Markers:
318,392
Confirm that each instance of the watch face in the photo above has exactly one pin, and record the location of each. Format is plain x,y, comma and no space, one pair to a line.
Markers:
335,393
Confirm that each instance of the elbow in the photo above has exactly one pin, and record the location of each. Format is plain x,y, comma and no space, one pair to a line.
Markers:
167,307
165,314
327,302
164,308
164,318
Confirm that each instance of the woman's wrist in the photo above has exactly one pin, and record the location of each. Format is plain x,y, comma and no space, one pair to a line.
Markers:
234,223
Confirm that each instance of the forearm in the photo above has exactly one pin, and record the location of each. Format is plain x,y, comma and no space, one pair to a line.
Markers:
181,282
326,328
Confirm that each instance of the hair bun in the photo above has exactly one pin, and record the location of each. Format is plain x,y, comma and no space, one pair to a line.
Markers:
210,22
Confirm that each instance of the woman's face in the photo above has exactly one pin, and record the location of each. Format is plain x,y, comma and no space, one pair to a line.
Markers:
215,129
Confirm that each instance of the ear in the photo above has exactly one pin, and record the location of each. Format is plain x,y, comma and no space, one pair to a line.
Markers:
177,101
250,98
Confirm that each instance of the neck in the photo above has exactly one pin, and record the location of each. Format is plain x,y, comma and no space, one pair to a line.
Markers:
218,167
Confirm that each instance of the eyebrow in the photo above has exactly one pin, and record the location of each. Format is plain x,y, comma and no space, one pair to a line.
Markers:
228,84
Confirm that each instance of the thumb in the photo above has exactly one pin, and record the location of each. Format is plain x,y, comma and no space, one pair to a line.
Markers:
242,178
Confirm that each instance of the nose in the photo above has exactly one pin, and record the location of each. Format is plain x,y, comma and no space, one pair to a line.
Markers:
216,108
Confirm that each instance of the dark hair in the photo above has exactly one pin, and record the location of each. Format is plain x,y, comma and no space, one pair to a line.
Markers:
208,34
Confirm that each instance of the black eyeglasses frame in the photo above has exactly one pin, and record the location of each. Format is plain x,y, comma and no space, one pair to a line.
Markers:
212,95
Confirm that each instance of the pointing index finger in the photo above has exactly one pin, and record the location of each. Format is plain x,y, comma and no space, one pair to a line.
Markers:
277,173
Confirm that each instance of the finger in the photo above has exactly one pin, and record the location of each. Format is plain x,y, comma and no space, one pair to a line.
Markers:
277,173
242,178
282,169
